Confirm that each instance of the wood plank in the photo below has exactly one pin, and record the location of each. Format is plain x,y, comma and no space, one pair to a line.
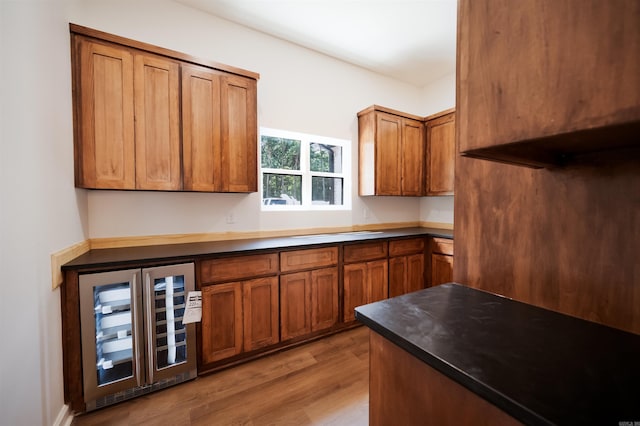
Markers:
298,260
63,256
566,240
323,382
406,391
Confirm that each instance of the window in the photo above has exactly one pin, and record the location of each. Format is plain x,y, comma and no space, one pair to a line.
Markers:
304,172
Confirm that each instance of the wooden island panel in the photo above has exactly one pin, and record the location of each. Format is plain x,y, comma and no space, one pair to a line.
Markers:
404,390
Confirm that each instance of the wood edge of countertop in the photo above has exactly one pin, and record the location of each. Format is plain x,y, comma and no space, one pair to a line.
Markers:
65,255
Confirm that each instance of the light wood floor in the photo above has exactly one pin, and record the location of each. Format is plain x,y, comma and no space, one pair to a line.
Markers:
321,383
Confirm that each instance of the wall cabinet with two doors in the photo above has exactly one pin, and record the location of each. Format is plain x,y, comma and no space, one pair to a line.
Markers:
403,154
148,118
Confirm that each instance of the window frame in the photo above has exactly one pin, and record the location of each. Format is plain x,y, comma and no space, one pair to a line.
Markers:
305,171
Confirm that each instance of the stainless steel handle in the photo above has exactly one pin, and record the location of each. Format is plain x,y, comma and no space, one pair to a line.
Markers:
136,328
150,332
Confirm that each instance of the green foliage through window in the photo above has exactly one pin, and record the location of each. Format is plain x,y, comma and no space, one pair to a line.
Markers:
311,172
280,153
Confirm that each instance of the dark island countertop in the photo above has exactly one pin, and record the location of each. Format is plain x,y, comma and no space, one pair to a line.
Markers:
539,366
175,252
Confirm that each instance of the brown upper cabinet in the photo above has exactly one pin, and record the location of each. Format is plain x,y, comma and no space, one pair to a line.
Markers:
541,83
441,152
391,149
403,154
130,134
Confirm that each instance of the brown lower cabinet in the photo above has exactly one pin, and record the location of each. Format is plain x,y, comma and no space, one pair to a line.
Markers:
365,275
441,261
364,283
406,266
261,302
308,302
239,317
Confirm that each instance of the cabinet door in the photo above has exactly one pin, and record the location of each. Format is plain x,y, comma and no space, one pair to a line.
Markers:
364,283
378,280
324,298
415,273
397,276
441,269
104,133
201,128
157,107
222,327
388,152
261,310
295,304
239,149
356,289
441,155
412,157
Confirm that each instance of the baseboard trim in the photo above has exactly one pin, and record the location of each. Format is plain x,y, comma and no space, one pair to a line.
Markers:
439,225
64,418
63,256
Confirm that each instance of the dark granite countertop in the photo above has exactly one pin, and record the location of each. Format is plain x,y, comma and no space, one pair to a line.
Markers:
539,366
159,253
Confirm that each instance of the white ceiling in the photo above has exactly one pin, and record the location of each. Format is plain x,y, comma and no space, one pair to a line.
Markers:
410,40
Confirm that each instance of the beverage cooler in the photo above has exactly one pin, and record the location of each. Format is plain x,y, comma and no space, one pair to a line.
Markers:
133,338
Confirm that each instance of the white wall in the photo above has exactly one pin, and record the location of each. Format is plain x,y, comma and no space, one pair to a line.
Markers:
40,211
298,90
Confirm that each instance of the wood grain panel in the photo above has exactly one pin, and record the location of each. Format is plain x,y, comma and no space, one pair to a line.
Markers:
441,153
441,269
201,128
405,391
408,246
566,240
324,298
261,313
442,246
222,328
310,258
105,134
574,78
406,274
322,383
388,154
412,158
238,267
239,144
378,277
365,251
356,289
295,305
157,107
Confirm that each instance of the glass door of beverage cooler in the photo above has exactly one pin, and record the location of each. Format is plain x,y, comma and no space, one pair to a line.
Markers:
111,325
171,347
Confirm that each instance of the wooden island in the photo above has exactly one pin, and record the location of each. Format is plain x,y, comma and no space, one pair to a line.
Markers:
451,354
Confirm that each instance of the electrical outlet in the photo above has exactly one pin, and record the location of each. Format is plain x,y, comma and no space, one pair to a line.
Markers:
230,218
365,213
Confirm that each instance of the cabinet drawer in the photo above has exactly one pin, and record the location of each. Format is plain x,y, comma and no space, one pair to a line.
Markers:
366,251
305,259
234,268
403,247
442,245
